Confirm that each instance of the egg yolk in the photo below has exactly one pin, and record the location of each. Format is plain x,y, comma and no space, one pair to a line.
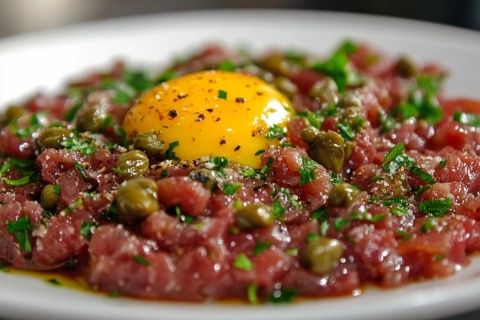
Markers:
212,113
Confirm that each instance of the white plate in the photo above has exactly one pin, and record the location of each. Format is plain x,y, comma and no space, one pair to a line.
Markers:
44,60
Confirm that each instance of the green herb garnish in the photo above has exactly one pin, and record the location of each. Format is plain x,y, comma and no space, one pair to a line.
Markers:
437,207
227,65
141,260
307,170
222,94
468,119
21,229
170,153
242,262
86,230
252,294
277,210
75,143
275,132
284,295
260,247
231,188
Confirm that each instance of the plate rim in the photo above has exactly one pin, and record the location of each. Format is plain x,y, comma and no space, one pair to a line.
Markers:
443,307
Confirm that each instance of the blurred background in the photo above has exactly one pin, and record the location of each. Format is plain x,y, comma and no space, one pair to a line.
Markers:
19,16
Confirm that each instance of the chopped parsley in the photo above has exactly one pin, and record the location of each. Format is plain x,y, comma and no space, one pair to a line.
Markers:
249,172
35,124
86,230
54,281
75,143
402,234
275,132
429,224
396,151
259,152
242,262
170,153
396,158
283,295
21,229
166,76
219,162
311,237
422,102
231,188
338,67
252,293
335,178
141,260
386,121
185,218
291,198
260,247
436,208
277,210
442,164
266,168
340,224
123,92
422,174
80,168
227,65
17,182
468,119
315,119
319,214
346,131
307,170
26,168
138,80
222,94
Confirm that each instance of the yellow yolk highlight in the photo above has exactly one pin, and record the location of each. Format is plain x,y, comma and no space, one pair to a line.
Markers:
211,113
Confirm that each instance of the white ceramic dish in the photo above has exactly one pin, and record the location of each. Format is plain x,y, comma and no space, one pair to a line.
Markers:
44,60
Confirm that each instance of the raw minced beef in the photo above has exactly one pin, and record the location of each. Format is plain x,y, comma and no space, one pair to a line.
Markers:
398,203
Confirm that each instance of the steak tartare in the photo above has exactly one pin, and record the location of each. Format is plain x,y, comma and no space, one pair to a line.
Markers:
369,176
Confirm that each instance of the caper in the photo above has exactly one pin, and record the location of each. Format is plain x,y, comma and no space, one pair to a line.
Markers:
91,118
52,137
325,90
50,196
132,164
206,177
405,67
13,113
277,64
327,148
354,117
256,215
342,195
350,100
323,254
137,198
286,86
149,143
